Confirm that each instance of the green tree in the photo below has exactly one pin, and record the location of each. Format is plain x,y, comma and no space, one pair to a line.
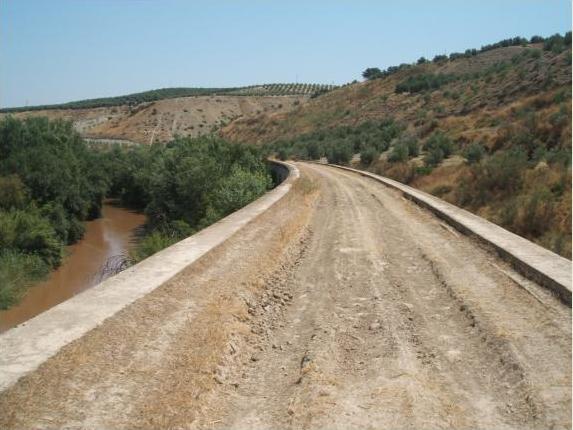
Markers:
368,155
372,73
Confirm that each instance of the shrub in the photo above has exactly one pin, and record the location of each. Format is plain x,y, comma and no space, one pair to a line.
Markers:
474,153
423,82
497,177
28,232
405,148
536,39
555,43
535,212
439,140
282,154
340,154
368,155
152,243
412,145
13,193
18,271
399,153
434,157
372,73
237,190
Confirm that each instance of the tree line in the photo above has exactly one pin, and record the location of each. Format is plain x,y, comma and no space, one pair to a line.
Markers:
556,44
170,93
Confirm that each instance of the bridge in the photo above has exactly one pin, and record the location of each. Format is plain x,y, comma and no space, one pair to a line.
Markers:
340,299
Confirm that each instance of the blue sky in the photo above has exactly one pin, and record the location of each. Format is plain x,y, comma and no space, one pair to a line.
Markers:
54,51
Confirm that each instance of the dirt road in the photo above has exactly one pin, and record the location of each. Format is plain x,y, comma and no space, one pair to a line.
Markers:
345,306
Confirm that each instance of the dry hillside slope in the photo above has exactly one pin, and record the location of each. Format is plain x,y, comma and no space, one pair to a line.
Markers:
490,132
161,120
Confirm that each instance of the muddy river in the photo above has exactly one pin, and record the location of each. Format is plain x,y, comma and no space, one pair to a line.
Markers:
104,241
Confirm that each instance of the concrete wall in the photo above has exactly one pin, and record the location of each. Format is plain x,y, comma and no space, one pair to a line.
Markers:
25,347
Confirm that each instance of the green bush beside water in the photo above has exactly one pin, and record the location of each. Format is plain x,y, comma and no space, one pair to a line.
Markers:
186,185
51,182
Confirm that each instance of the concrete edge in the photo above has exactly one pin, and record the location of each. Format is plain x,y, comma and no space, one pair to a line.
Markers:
25,347
531,260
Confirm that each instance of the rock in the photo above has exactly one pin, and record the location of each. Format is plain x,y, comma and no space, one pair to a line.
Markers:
374,326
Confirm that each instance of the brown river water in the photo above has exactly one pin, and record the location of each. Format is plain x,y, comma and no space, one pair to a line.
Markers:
109,236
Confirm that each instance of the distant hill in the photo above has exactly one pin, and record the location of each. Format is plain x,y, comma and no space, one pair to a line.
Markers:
170,93
488,129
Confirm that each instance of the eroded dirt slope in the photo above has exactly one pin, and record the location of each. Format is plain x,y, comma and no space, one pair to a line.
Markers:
345,306
160,121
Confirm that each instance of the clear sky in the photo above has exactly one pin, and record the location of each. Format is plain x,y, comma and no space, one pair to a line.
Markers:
54,51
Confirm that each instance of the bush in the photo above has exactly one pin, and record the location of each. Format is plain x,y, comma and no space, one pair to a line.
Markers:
439,146
18,271
340,154
404,149
434,157
237,190
399,153
423,82
368,155
152,243
536,39
412,145
327,142
13,193
28,232
187,185
555,43
282,154
372,73
53,164
474,153
498,177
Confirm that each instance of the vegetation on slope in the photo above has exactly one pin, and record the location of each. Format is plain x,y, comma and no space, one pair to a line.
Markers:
171,93
50,182
185,185
488,130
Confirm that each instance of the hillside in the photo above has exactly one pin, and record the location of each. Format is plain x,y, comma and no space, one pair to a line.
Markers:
488,130
289,89
161,120
160,115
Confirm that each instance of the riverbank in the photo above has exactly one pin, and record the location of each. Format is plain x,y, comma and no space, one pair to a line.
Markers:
105,238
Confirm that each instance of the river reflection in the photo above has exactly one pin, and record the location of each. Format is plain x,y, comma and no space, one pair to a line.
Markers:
109,236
